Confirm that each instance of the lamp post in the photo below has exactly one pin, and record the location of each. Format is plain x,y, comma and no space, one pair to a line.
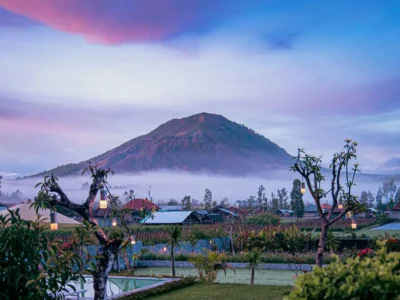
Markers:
53,221
303,188
103,199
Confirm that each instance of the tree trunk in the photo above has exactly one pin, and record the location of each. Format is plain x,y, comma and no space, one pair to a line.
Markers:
252,275
173,259
321,245
232,244
100,276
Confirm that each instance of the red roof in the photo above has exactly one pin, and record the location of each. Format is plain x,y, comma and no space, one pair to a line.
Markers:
141,203
396,207
325,206
239,211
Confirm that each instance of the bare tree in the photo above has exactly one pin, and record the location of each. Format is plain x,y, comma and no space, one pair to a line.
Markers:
51,194
310,168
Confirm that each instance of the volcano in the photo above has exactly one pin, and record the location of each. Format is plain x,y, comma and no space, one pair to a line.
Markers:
204,142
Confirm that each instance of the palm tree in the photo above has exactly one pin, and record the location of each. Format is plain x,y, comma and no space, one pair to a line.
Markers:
254,258
175,233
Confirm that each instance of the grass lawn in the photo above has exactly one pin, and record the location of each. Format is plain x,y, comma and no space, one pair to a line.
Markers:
226,291
242,276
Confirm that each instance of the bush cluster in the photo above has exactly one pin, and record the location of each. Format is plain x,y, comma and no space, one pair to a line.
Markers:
167,287
367,276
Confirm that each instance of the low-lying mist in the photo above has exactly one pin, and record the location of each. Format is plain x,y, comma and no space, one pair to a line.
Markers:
165,185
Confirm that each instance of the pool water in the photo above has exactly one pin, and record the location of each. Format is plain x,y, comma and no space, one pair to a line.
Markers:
115,285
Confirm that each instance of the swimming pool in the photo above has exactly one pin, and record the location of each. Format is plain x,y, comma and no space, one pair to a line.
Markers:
116,285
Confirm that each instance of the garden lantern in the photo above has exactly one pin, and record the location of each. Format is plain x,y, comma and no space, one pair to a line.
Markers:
164,248
53,221
133,240
303,188
103,199
114,222
353,224
340,206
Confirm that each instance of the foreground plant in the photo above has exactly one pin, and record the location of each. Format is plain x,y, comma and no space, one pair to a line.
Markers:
209,265
254,258
368,276
52,195
309,167
175,234
31,266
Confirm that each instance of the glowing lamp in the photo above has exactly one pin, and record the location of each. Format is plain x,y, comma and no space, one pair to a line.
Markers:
303,188
114,222
349,214
53,221
210,241
164,248
133,240
353,225
103,199
340,206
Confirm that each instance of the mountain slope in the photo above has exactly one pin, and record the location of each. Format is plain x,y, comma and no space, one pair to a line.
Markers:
199,143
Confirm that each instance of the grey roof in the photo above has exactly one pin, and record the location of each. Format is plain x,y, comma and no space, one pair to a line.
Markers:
171,207
201,212
285,210
227,211
169,217
310,208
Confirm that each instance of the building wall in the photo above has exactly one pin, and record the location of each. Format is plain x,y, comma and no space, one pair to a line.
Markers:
394,214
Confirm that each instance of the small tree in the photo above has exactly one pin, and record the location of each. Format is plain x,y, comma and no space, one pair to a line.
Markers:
274,203
283,199
254,258
379,200
296,201
186,203
260,195
371,199
207,199
309,167
397,196
364,198
51,195
174,236
389,190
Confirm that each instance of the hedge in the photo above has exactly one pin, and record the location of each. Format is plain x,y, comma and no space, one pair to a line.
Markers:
165,288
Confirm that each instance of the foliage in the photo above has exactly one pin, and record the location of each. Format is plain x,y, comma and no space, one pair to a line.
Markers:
267,257
288,239
376,277
209,265
263,219
207,199
175,234
296,199
31,266
332,243
159,290
392,242
254,258
383,219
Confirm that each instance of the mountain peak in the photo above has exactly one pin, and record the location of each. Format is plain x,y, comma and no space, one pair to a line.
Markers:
202,142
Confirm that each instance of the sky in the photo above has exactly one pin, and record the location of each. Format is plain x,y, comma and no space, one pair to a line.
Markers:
78,78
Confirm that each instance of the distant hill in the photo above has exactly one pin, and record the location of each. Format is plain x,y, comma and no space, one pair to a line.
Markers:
200,143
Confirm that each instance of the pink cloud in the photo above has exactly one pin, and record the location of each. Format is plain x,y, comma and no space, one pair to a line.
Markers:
115,22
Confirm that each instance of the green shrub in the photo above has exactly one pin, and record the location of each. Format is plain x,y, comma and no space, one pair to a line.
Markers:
263,220
357,278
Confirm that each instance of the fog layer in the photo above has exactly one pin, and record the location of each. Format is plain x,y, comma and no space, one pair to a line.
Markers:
165,186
